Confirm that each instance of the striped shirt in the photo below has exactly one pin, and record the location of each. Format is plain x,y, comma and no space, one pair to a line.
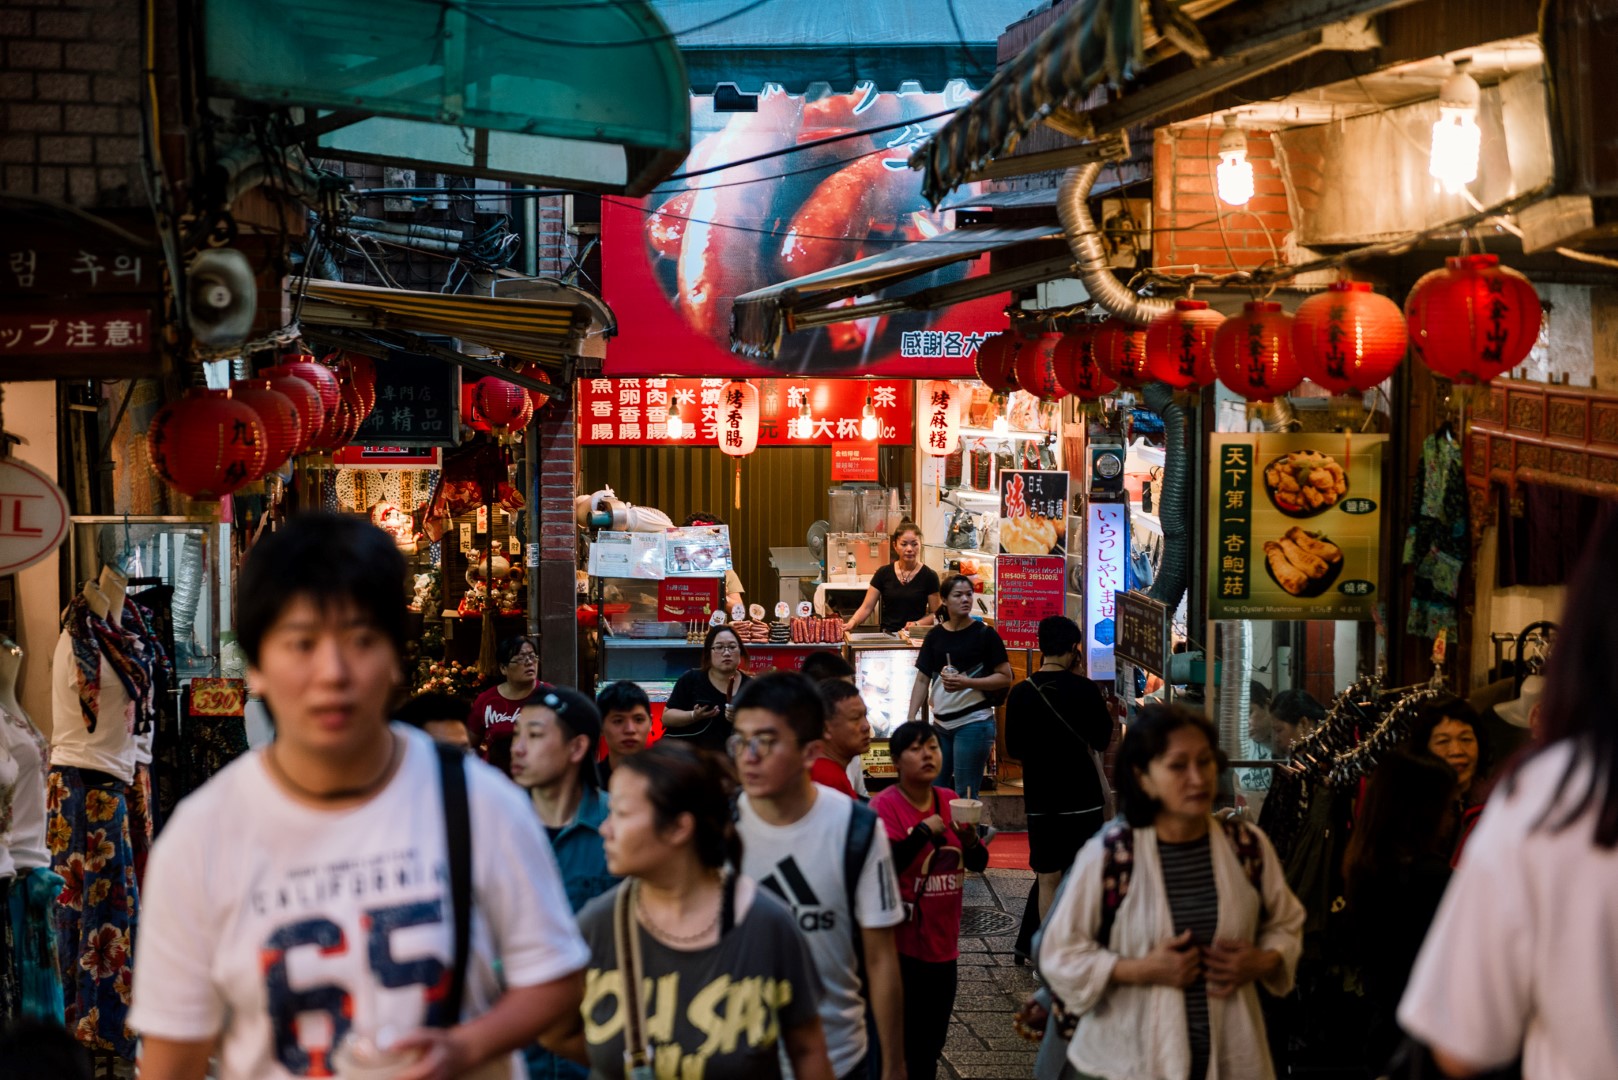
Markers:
1188,878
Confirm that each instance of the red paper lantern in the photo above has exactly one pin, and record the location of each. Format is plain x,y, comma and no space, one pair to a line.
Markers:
1474,320
1036,372
738,418
1253,352
997,362
1348,337
306,367
305,399
363,370
1179,345
1121,352
940,417
469,409
283,429
351,412
1076,368
502,405
535,371
206,445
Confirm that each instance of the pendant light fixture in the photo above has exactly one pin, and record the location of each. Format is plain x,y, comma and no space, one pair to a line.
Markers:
870,427
1456,138
1235,172
675,426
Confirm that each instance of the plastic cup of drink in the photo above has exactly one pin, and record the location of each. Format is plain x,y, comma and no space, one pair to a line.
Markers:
359,1057
966,811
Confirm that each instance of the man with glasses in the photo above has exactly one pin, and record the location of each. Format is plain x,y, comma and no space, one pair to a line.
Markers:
823,854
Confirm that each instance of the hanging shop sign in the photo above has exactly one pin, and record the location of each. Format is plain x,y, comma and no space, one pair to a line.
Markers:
387,457
218,697
684,599
854,461
417,403
1141,631
1106,553
1033,512
638,412
76,332
43,261
1295,526
33,516
1027,588
682,256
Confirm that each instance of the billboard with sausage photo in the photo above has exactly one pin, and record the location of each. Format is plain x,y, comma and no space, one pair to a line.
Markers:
674,262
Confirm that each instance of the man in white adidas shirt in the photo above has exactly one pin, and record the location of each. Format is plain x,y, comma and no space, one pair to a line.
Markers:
302,896
796,839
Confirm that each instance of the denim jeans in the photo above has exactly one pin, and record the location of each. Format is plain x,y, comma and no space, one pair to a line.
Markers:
966,755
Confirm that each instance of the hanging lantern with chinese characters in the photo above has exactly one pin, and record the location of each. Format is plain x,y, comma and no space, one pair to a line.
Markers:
504,406
738,425
306,367
304,398
206,445
1036,373
1077,371
1348,337
1253,352
1474,320
1121,352
996,361
1179,345
941,417
283,430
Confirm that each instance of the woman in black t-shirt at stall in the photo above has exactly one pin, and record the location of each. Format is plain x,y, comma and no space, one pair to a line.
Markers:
698,709
907,588
962,672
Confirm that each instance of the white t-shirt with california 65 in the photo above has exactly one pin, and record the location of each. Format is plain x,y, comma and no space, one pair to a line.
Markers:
279,926
803,864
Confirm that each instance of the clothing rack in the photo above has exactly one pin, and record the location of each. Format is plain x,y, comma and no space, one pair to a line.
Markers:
1392,730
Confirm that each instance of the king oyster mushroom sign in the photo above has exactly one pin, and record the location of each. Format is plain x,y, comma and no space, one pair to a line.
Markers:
33,516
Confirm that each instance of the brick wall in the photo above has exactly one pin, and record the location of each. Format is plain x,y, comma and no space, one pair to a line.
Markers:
558,535
1187,212
69,81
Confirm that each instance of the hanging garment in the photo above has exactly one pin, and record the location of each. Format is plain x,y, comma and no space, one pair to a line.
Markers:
94,638
31,906
95,913
142,829
1436,543
170,782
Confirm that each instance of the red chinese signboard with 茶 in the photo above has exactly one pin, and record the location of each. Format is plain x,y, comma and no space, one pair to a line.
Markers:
684,599
853,461
636,412
1027,588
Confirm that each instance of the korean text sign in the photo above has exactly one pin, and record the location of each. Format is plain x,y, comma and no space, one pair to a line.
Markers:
1295,526
1106,552
1027,588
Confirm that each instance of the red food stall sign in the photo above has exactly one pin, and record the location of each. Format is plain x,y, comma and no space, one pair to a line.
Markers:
1027,588
683,599
853,461
386,457
635,412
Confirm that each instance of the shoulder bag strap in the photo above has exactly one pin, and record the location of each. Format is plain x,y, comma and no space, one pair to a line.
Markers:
626,943
1108,805
862,823
458,841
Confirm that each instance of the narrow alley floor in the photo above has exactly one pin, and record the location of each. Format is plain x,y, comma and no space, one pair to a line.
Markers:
982,1045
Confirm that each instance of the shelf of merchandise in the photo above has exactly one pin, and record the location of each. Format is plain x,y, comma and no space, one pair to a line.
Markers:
1009,436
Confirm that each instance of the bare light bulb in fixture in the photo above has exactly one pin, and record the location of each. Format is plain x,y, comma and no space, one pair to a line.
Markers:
675,427
869,427
803,425
1235,172
1456,137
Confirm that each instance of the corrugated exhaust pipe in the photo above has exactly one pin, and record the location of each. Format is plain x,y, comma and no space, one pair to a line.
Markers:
1084,241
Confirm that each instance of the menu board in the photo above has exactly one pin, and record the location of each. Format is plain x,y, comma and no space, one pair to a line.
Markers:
1033,512
854,461
1142,631
696,551
685,599
1027,588
627,555
1296,526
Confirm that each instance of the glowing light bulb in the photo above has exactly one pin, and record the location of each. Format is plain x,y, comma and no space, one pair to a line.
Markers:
676,426
803,425
1234,173
869,427
1457,139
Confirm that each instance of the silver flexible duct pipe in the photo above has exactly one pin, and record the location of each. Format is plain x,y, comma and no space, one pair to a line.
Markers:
190,579
1281,418
1235,698
1084,240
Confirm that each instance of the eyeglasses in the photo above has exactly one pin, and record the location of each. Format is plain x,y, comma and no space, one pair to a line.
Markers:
727,648
760,746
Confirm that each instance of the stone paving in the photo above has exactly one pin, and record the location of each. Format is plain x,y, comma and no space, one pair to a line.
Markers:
991,986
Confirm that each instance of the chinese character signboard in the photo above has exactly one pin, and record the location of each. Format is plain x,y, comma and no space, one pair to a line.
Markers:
1142,632
853,461
1295,526
1027,588
417,403
1106,553
682,256
386,457
1033,512
635,412
684,599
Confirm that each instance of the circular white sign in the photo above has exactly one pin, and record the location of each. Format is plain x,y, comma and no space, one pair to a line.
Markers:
805,609
782,610
33,516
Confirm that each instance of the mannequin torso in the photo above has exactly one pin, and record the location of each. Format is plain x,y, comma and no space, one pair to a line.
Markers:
110,747
23,742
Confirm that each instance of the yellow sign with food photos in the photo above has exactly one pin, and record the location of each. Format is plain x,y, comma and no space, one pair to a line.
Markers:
1295,526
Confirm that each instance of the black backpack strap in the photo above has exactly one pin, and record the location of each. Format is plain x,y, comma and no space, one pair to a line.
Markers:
862,826
458,840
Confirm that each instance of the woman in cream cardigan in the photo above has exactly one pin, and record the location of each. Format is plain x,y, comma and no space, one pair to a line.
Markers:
1168,920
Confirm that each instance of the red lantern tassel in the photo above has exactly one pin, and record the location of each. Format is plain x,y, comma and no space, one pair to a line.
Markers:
738,483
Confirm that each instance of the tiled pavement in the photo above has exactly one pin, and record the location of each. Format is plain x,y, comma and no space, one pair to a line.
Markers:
991,986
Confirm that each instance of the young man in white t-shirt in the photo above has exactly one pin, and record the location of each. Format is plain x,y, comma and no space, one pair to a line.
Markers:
301,898
795,841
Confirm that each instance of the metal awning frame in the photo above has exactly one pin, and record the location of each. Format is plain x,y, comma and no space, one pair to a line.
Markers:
409,341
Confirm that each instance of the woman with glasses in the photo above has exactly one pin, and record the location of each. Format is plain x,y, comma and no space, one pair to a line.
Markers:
494,714
698,709
732,981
